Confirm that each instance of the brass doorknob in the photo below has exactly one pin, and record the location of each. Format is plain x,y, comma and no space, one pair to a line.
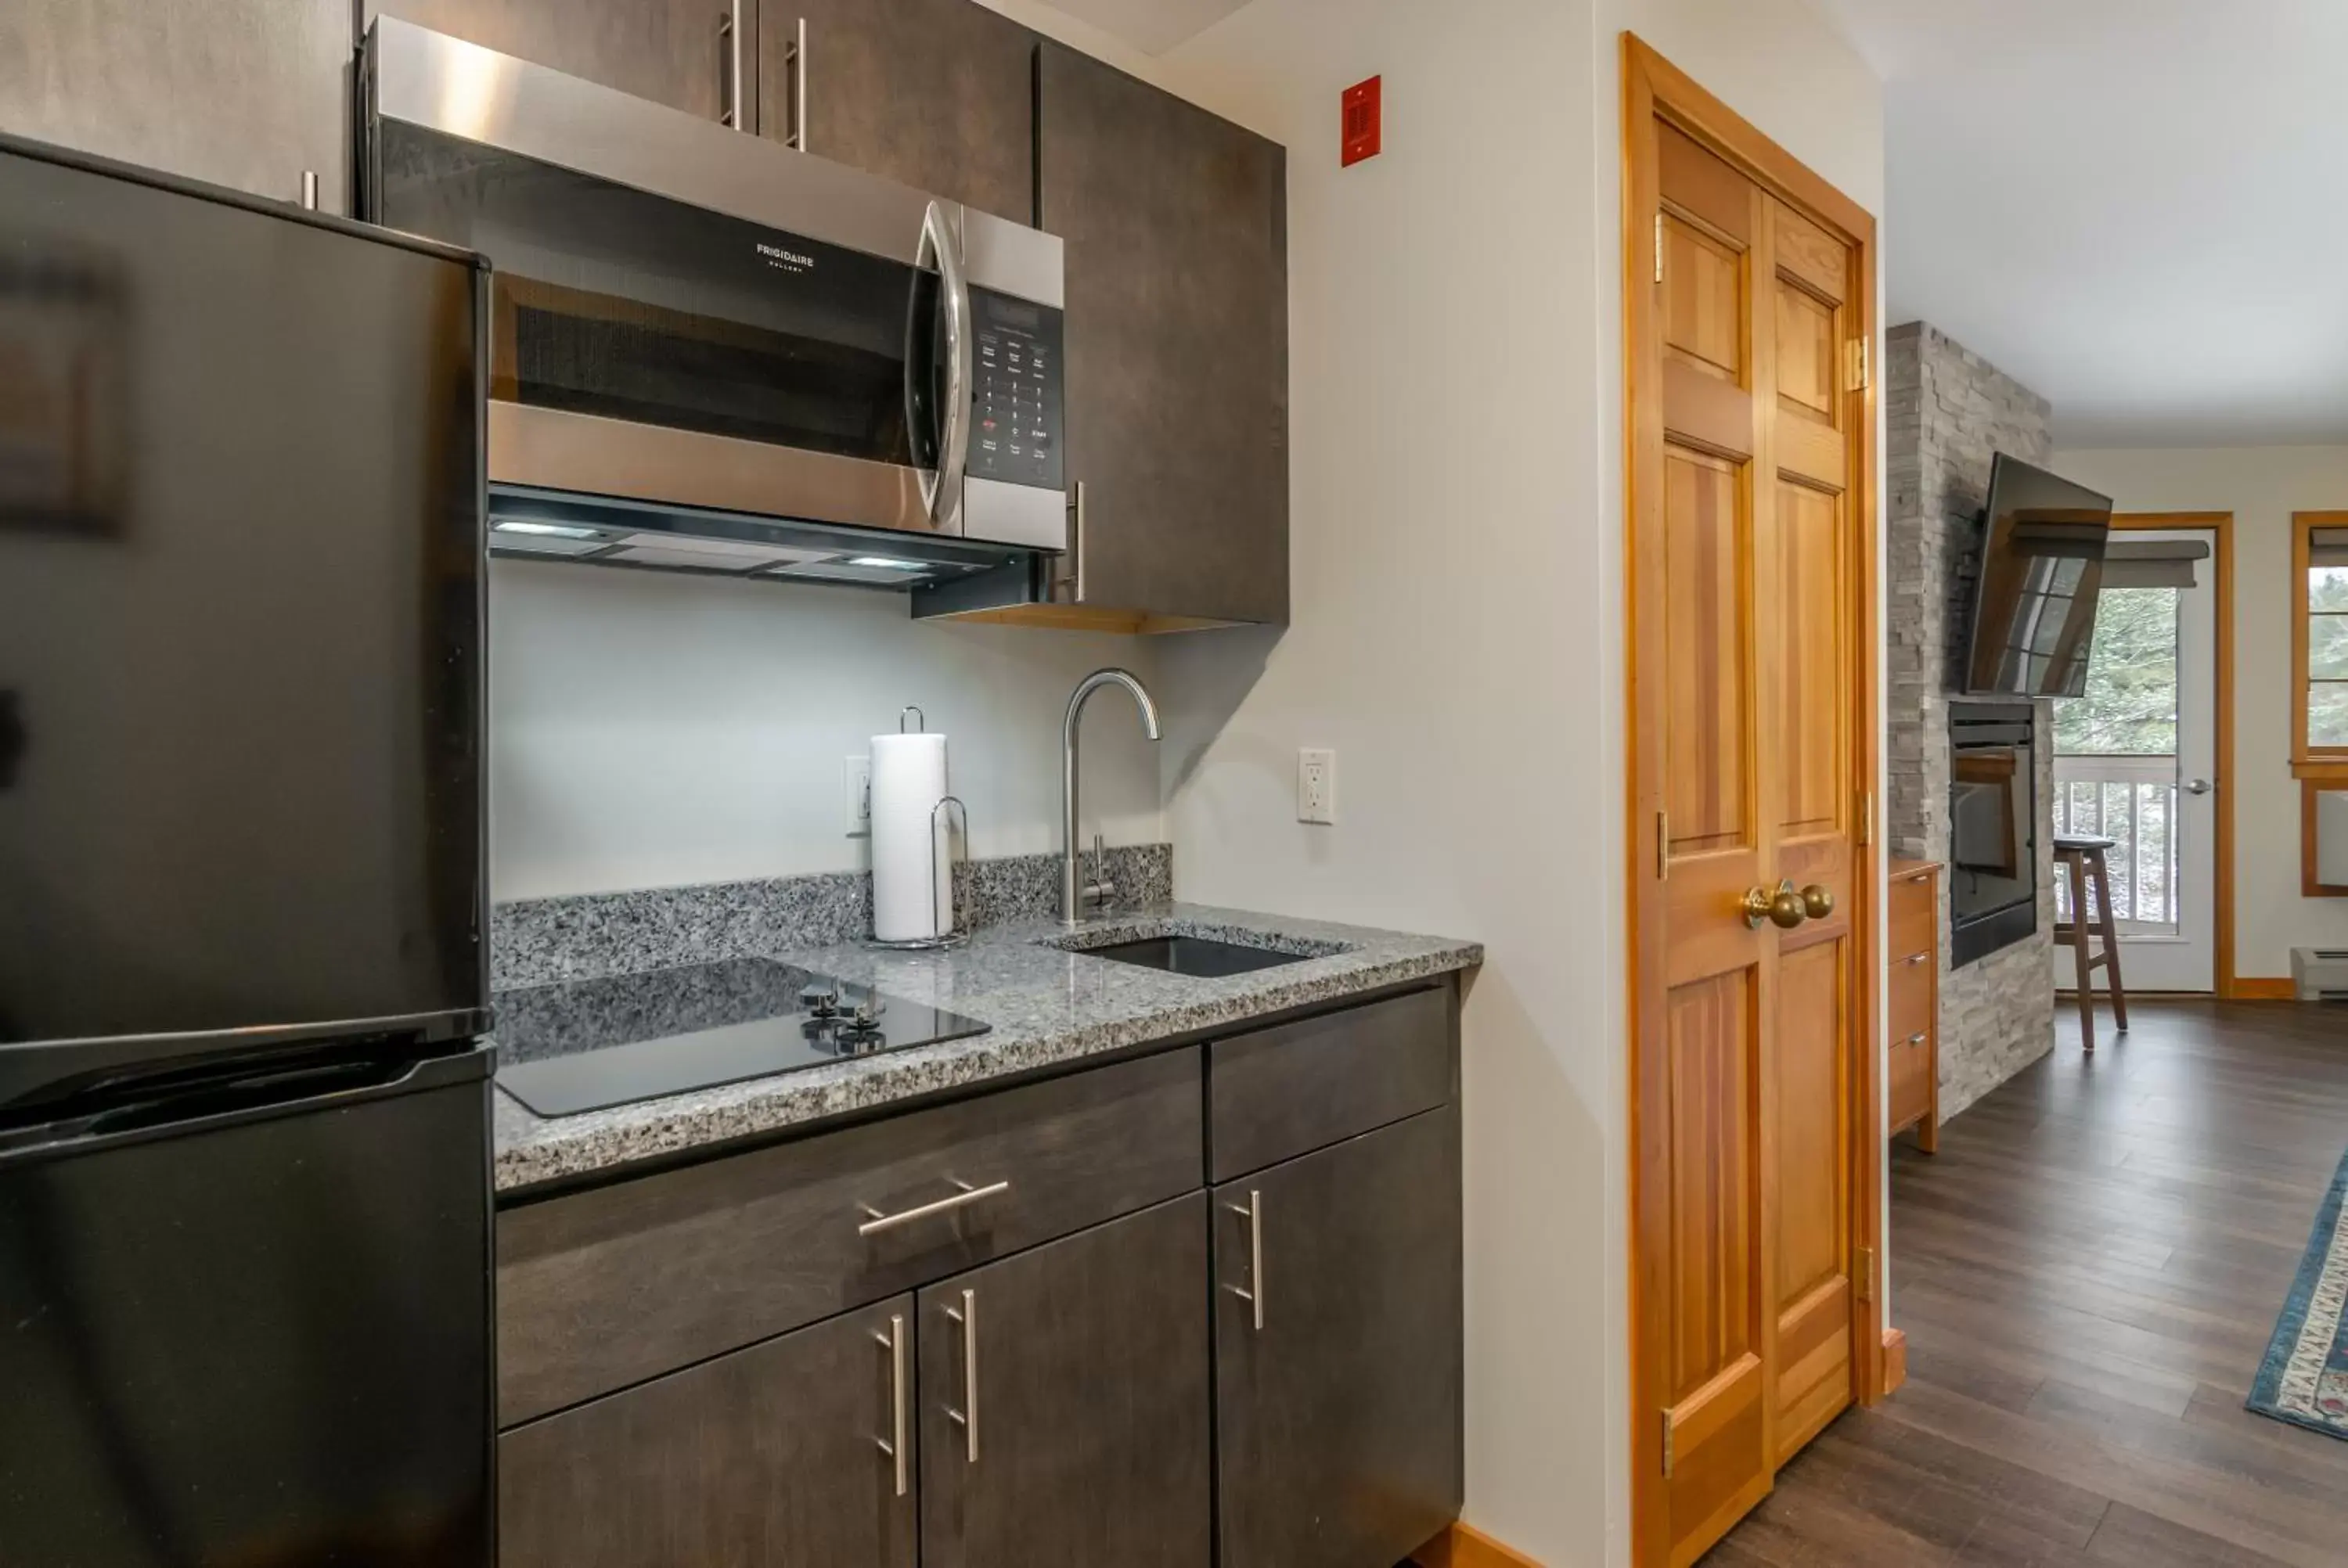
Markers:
1782,909
1817,902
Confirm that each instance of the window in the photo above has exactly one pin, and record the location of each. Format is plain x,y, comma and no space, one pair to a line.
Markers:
2319,740
2320,636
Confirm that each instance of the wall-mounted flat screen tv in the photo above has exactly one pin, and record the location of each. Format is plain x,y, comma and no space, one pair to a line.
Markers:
2034,600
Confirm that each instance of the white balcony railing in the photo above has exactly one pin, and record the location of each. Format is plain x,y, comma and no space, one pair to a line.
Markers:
2132,800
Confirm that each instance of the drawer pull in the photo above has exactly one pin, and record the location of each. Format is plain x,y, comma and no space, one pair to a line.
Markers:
894,1445
1253,1292
878,1222
1915,1039
1917,957
967,1417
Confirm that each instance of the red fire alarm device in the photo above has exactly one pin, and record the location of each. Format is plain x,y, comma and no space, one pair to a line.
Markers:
1361,122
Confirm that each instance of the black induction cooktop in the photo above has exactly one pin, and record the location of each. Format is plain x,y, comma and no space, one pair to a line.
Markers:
586,1045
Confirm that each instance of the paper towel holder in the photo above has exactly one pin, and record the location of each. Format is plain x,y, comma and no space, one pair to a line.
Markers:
920,725
946,939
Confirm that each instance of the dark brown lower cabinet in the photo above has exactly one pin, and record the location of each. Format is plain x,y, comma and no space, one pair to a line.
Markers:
770,1456
1338,1351
1065,1397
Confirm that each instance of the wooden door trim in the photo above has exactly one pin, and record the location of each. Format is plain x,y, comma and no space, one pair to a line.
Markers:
2220,526
1652,88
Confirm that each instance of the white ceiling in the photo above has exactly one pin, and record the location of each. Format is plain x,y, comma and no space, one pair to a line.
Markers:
2140,208
1153,26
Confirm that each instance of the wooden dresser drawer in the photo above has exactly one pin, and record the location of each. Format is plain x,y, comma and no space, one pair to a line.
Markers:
1911,1079
1284,1091
605,1288
1915,917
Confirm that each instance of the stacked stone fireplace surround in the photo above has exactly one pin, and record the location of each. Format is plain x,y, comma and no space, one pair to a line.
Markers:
1947,412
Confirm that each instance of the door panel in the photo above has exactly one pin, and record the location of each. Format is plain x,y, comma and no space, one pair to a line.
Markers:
242,93
1175,225
1704,311
1746,606
1716,1315
1704,558
1806,354
669,51
772,1454
1085,1366
1812,700
935,94
1813,1184
1338,1411
2120,764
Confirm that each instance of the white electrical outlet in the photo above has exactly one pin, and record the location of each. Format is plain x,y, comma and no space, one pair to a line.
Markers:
855,775
1317,786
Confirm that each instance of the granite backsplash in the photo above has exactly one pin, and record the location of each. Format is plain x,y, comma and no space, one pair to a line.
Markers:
587,937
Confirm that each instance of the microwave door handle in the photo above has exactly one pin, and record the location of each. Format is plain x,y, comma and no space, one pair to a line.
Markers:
953,435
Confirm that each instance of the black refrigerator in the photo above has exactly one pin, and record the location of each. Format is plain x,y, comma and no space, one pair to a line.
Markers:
244,1197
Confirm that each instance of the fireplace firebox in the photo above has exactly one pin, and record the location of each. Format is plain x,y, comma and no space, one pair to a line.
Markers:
1993,828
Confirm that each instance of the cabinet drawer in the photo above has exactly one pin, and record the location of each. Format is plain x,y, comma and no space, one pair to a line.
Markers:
1915,915
1909,1008
1912,1066
1283,1092
606,1289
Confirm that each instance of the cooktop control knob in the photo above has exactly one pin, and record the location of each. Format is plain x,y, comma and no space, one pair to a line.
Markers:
868,1014
821,1001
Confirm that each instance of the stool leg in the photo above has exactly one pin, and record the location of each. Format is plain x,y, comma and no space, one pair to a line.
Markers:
2109,926
2080,929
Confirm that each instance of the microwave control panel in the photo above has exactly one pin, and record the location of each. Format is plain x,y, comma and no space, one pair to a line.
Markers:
1015,430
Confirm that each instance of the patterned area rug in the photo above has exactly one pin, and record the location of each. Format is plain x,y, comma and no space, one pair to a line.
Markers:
2305,1378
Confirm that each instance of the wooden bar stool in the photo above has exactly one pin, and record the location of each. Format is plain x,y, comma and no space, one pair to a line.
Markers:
2080,857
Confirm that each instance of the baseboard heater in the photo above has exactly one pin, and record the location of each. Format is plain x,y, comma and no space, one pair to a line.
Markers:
2320,974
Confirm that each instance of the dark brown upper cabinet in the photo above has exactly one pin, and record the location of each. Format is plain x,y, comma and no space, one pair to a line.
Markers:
245,93
1177,359
675,52
935,94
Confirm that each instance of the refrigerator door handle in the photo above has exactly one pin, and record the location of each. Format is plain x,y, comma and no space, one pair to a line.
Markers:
175,1104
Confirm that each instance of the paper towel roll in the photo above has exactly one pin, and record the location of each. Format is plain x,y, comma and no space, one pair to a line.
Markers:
911,858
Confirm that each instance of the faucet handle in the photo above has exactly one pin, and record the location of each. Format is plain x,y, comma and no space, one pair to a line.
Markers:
1099,889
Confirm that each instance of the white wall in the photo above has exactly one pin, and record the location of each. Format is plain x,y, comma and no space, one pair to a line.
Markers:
655,730
2261,486
1456,481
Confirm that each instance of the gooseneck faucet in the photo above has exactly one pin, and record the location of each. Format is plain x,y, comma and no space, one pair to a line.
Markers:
1075,892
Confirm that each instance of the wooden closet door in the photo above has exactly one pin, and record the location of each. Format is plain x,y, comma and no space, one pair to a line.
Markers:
1806,580
1743,616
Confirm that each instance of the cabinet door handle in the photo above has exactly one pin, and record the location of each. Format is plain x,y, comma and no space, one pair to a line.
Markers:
1917,957
309,190
795,62
1072,560
1915,1039
876,1221
729,76
894,1445
967,1417
1253,1293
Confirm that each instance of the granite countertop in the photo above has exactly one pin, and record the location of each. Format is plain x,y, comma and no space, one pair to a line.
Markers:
1048,1006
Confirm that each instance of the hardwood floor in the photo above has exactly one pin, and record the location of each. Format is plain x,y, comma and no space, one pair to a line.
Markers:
2087,1274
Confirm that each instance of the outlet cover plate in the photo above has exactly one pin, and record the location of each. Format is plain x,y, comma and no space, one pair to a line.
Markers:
856,781
1317,786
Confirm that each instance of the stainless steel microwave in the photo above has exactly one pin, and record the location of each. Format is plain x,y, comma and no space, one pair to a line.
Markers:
702,341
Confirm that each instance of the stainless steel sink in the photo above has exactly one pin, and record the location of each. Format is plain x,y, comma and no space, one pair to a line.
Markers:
1201,957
